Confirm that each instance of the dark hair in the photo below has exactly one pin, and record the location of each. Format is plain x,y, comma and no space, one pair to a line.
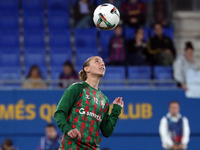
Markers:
136,30
173,102
7,142
188,45
51,125
33,68
68,63
82,73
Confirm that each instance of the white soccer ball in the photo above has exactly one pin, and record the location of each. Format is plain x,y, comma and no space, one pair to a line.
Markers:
106,16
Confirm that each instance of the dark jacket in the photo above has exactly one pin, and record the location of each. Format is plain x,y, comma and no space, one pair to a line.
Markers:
77,13
136,54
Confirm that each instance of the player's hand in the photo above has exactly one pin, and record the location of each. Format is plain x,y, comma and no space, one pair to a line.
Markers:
119,101
74,134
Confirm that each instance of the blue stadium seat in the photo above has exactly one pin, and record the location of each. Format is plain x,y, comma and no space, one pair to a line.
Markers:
163,73
9,20
57,4
34,38
114,73
43,70
169,32
9,39
10,73
82,54
10,57
130,33
35,57
11,5
139,73
33,20
59,38
33,4
59,56
105,39
58,20
55,74
86,37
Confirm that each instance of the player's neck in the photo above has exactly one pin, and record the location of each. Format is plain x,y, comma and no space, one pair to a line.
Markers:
93,82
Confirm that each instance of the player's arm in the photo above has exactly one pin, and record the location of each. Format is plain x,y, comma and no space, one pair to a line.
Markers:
109,121
65,104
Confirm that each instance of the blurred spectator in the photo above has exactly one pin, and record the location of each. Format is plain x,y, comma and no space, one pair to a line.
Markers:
136,49
160,48
133,13
160,11
7,145
52,139
182,64
68,73
174,129
116,3
83,10
34,79
117,52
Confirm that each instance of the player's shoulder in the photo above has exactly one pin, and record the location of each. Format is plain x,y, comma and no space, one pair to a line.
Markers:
77,85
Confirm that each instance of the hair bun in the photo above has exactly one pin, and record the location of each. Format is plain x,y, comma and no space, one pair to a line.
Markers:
82,75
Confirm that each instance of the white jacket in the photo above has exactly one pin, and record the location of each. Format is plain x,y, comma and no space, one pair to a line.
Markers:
180,67
167,142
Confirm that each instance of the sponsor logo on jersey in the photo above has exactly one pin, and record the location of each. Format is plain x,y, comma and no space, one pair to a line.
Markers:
88,113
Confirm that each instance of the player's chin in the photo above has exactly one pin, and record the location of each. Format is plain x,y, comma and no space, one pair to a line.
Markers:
101,75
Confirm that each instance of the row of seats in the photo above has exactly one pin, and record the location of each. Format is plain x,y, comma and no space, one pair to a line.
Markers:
39,4
112,73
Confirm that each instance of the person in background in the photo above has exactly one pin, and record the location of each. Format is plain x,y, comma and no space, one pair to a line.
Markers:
7,145
116,3
174,129
133,13
136,49
68,73
160,11
117,51
160,48
83,13
34,79
52,139
182,64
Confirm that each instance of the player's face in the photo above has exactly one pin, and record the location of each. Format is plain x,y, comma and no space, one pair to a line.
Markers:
51,132
97,66
174,109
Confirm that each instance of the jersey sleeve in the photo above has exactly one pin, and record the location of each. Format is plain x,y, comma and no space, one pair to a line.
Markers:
65,104
109,121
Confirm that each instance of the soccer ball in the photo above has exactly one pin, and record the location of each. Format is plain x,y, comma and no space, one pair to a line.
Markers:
106,16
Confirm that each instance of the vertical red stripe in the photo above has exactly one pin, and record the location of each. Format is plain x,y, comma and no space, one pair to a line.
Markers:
63,144
118,48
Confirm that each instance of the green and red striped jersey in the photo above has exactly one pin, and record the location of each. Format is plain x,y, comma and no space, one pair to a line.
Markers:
86,109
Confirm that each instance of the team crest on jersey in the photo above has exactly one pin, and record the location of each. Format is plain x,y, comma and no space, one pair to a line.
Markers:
102,103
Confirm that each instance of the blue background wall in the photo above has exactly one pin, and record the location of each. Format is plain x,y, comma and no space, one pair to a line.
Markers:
27,113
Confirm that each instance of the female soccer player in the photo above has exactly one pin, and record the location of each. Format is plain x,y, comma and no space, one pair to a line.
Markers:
84,109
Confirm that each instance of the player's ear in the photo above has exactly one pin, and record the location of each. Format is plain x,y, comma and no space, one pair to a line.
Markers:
87,69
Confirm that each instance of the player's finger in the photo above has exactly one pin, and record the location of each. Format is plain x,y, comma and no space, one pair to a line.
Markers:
74,134
70,135
122,103
78,134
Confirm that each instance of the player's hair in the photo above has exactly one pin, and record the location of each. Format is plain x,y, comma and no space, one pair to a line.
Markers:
82,73
7,142
50,125
172,102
